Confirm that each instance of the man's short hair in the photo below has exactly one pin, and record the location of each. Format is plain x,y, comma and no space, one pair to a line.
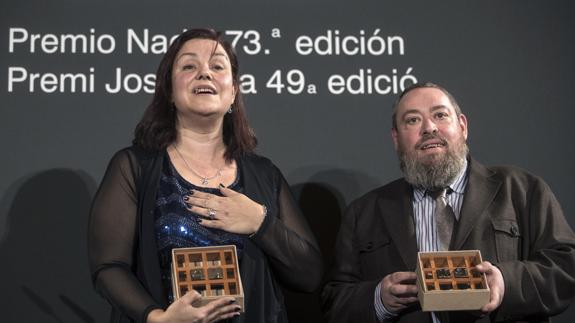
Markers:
419,86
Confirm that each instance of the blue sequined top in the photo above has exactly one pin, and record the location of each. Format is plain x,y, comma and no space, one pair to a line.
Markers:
177,227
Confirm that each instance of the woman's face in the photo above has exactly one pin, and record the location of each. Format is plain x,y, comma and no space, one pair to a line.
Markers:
202,82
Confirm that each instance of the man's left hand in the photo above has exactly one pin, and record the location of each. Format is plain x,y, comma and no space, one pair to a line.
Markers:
495,283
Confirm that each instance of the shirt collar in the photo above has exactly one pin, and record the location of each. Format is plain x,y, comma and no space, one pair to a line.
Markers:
458,185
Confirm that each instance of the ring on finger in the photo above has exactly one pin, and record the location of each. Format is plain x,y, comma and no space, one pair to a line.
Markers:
212,214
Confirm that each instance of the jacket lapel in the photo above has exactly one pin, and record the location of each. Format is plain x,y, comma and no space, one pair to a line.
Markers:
479,194
397,212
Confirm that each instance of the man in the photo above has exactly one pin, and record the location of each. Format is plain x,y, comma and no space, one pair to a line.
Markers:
511,216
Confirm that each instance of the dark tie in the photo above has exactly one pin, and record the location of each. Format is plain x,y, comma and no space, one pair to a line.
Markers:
444,218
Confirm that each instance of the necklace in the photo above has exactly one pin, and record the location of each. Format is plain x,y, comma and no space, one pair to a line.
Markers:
203,179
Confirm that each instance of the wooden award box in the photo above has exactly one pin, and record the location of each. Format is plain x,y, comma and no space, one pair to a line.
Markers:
447,281
211,271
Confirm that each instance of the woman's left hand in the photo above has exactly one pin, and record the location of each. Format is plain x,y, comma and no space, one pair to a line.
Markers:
233,212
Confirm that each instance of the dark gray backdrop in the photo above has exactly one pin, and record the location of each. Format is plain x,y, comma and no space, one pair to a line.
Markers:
509,63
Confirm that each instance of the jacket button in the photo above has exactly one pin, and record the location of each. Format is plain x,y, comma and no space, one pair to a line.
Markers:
514,231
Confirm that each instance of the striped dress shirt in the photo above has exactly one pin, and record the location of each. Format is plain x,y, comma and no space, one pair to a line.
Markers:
425,229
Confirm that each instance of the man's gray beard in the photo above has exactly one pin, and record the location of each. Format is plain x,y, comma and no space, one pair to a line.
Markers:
436,174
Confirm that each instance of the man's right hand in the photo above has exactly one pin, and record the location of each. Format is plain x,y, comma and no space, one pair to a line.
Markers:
398,291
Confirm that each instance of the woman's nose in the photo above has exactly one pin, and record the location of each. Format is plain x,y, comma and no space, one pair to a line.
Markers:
204,74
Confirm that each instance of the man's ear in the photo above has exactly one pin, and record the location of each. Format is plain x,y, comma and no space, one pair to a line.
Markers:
394,137
463,125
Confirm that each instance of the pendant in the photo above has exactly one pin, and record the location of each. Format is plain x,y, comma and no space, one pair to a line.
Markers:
204,181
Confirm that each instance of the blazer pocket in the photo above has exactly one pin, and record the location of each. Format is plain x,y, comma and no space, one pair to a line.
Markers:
373,244
507,239
373,256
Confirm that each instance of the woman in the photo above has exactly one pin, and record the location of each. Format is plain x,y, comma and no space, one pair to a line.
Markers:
191,179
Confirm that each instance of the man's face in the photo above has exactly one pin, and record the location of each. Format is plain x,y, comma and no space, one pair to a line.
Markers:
430,137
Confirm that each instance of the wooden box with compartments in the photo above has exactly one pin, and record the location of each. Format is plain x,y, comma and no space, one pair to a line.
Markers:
211,271
447,281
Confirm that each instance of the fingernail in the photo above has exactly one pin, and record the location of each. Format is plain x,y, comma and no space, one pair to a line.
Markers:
222,185
191,192
237,308
186,198
188,205
232,301
199,220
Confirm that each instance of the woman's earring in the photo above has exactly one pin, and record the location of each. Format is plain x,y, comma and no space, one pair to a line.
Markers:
230,109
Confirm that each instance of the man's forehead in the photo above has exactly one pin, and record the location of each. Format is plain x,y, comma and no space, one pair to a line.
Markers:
424,99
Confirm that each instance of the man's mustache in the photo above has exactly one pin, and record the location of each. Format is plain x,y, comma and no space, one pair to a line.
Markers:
429,136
